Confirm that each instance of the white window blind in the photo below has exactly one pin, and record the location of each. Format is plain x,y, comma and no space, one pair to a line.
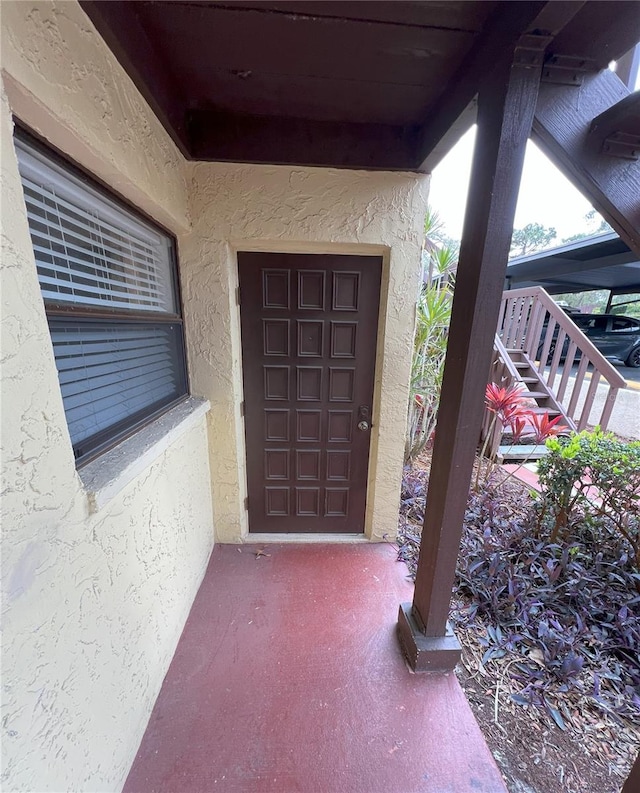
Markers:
102,271
109,373
88,250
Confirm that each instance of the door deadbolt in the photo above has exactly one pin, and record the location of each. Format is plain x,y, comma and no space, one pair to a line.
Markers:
363,425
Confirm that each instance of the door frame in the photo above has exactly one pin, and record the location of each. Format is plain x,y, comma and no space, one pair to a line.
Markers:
390,397
351,512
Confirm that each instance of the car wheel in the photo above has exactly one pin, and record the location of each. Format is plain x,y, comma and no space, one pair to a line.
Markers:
634,358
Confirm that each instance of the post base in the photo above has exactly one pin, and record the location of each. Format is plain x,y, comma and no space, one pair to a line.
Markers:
426,653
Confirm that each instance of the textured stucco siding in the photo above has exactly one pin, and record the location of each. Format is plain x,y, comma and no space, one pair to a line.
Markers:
278,208
63,81
92,604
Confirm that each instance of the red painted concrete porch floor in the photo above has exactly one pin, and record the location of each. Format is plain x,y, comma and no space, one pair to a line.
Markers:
288,678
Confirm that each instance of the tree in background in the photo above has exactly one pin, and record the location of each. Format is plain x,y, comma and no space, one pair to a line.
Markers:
596,225
531,238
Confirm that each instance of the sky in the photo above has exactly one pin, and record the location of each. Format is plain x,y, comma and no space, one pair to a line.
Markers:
546,195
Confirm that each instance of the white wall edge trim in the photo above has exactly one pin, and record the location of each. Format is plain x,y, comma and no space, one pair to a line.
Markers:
104,477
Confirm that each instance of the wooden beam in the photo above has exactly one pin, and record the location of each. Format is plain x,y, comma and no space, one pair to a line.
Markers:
233,137
600,32
119,25
561,127
506,104
453,112
624,116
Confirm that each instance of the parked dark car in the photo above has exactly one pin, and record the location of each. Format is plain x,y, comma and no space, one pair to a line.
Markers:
615,336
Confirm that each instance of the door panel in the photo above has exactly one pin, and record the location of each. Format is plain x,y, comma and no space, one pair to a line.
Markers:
309,330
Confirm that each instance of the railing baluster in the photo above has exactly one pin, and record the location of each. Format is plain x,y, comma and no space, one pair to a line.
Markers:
509,323
577,386
546,346
514,342
534,329
520,327
566,370
555,360
513,328
588,403
525,321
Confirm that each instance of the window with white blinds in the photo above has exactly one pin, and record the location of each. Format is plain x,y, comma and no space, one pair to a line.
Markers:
88,250
107,277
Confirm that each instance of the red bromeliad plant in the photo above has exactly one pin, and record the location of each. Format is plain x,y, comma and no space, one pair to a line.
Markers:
544,427
508,405
517,427
504,402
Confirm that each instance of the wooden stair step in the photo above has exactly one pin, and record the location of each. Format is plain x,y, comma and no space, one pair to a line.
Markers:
530,379
535,394
522,364
521,452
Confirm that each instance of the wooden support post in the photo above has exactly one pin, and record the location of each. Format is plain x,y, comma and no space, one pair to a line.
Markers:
507,102
609,302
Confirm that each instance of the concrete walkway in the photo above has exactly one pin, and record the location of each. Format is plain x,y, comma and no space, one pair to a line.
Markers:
288,678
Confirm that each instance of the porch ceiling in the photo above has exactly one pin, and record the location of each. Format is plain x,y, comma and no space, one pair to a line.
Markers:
345,84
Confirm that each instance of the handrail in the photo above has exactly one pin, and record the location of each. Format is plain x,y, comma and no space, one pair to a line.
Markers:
532,322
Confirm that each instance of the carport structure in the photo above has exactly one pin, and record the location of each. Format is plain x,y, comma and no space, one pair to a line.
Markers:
602,262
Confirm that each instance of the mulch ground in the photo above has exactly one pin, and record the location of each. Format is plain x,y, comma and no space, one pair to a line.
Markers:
593,754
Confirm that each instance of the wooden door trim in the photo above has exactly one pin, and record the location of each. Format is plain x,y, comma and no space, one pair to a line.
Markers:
383,488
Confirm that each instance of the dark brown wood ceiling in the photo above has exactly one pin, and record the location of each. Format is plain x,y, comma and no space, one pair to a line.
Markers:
351,84
326,68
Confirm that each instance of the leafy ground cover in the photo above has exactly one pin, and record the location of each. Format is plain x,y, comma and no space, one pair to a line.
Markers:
550,634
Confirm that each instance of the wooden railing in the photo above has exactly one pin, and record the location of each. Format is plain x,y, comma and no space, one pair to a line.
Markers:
531,322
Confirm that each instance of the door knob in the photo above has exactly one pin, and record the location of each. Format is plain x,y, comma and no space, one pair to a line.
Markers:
363,425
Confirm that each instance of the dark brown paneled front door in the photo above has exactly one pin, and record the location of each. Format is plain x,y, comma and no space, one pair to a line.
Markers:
309,328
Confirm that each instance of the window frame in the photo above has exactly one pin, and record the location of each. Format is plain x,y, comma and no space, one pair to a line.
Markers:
630,325
56,311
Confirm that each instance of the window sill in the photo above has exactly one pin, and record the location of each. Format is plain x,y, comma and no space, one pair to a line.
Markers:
104,477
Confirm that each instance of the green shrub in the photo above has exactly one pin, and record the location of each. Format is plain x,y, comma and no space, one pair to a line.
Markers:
433,314
593,477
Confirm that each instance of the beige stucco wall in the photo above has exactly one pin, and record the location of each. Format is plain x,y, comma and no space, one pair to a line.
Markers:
92,604
277,208
63,80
